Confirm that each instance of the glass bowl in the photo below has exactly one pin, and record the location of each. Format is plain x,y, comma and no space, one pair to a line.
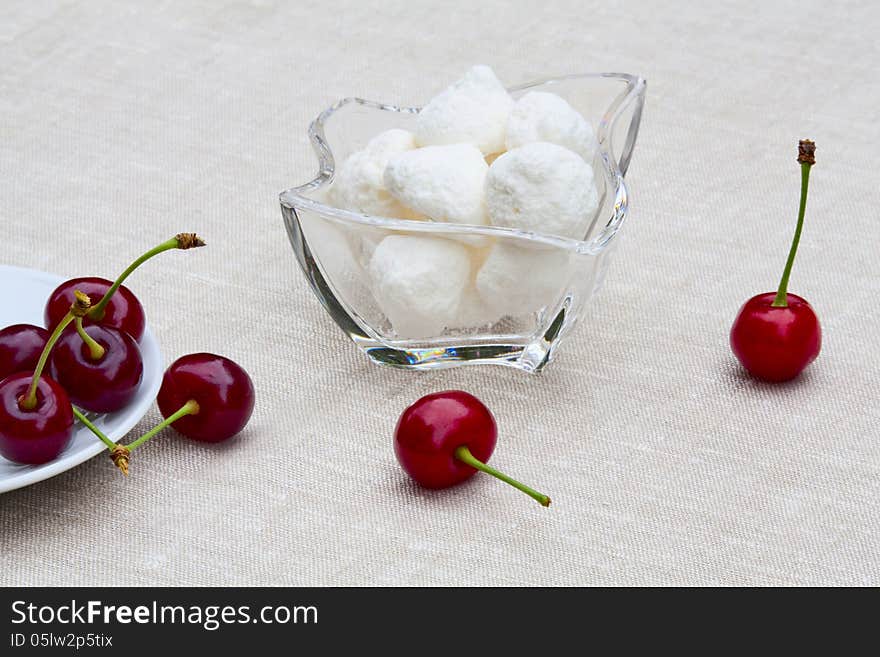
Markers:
548,289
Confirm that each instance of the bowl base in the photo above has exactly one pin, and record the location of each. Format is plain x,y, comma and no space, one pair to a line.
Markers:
530,358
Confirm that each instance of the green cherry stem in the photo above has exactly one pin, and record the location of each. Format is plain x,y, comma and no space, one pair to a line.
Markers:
118,453
806,158
464,455
80,307
189,408
91,427
96,351
121,454
180,241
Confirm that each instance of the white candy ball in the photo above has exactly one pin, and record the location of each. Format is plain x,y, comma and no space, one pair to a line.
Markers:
515,280
359,183
472,110
446,183
543,188
418,281
541,116
473,312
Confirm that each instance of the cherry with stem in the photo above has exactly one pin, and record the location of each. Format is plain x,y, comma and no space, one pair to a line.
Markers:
211,397
206,397
118,306
445,438
36,416
777,334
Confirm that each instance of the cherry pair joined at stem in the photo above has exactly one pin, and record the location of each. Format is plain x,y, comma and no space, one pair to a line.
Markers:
100,364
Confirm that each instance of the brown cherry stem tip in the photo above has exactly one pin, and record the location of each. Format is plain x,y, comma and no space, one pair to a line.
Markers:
121,456
81,304
807,152
188,240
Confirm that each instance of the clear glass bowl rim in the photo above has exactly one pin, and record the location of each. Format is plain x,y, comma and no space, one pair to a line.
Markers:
634,92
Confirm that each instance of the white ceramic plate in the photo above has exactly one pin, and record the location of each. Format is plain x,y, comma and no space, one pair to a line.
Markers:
24,293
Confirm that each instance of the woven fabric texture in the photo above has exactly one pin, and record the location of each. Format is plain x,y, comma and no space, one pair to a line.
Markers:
124,123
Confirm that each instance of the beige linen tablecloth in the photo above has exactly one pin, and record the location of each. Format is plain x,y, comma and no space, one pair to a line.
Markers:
122,124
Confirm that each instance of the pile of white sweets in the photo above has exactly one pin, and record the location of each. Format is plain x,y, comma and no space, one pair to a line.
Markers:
476,157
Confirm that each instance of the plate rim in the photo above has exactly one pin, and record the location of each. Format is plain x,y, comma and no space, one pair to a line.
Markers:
151,354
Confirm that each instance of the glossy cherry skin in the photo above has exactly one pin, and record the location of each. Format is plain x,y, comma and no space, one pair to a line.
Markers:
223,390
776,344
123,311
429,431
39,435
104,385
20,348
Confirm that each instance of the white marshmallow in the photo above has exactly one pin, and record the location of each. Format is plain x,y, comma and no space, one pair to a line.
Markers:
473,312
541,116
473,110
544,188
446,183
418,281
391,142
515,280
359,183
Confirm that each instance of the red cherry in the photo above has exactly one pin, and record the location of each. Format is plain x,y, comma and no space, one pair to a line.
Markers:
429,431
100,385
444,438
212,397
37,435
204,396
776,334
20,348
123,310
36,418
776,343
